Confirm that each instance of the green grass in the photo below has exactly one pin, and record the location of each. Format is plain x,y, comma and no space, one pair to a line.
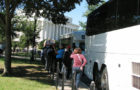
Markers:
21,54
26,76
14,83
25,54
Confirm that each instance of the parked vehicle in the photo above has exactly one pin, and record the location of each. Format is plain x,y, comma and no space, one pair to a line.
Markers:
2,47
74,39
113,45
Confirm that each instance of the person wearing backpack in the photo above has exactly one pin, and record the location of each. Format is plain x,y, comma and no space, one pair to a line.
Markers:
79,62
49,54
68,62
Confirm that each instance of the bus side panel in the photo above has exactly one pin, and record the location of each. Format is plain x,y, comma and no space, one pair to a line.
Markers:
94,52
122,48
117,49
124,41
119,71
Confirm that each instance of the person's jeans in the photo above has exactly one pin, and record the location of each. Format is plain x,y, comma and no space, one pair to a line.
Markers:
78,75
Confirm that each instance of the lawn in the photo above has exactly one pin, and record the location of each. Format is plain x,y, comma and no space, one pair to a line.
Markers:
25,54
26,76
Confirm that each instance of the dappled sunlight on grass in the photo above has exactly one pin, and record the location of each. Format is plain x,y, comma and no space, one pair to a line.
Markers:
26,76
14,83
24,61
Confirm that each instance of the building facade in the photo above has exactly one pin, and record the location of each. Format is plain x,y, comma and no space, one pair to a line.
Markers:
51,31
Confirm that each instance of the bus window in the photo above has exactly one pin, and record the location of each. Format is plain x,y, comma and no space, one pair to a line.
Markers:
114,14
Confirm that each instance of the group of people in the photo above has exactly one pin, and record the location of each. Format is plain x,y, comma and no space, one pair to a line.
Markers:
73,60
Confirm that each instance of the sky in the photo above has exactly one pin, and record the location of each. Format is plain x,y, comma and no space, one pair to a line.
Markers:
77,13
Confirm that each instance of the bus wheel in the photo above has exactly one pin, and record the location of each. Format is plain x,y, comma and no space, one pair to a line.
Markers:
96,78
104,79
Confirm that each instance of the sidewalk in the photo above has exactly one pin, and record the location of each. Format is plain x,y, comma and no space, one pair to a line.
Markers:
68,85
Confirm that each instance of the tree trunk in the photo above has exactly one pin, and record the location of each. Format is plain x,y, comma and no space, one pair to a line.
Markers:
34,37
27,50
7,64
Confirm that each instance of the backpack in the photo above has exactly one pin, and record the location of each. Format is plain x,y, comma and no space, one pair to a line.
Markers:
50,51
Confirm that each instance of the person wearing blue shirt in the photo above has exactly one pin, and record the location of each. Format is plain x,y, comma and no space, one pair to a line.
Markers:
59,56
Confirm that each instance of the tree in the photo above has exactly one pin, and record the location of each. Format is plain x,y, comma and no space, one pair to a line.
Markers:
52,9
27,39
6,36
94,2
14,28
40,45
15,45
91,8
2,27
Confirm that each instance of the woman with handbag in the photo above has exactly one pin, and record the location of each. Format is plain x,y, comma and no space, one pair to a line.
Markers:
79,62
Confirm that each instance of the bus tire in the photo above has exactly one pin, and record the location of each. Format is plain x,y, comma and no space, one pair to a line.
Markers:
104,85
96,75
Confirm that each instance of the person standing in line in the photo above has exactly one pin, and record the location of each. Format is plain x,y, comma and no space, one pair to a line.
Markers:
78,64
68,62
47,49
48,54
59,56
43,58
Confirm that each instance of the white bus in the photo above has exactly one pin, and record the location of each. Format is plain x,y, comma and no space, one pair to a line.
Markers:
113,45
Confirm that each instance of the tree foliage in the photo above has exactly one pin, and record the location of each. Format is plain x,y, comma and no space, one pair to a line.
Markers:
40,45
94,2
52,9
90,8
27,27
14,27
